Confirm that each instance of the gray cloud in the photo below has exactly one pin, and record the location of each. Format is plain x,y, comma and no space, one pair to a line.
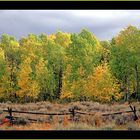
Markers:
103,23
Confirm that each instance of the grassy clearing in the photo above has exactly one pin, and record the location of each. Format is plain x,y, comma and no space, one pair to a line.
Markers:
84,122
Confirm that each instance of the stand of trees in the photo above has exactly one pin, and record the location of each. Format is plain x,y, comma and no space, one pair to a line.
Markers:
70,67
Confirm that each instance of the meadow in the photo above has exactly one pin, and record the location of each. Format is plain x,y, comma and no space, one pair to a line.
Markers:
82,122
52,73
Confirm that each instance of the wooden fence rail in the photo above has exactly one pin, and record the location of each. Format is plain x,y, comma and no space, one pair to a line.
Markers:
73,111
117,113
67,113
103,114
37,113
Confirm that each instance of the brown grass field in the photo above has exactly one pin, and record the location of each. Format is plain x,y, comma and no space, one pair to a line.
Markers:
82,122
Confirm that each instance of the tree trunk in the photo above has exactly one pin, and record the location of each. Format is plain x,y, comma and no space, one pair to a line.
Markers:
128,89
13,93
125,89
137,83
59,83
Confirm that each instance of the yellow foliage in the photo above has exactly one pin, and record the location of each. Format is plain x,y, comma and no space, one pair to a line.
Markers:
1,54
34,89
102,86
63,39
5,87
66,91
74,88
14,45
81,71
4,79
52,36
28,87
40,67
66,94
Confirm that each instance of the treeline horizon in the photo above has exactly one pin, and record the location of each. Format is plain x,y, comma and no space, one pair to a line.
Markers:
70,67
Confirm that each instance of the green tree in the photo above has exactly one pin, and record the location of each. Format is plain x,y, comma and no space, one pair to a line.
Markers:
124,60
12,56
106,46
82,56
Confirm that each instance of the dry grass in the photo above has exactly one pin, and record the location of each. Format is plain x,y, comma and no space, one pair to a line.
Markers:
86,122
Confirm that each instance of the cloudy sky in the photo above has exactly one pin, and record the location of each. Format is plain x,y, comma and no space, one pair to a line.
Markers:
103,23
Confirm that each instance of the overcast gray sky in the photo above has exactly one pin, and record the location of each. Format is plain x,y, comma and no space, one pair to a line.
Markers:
103,23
